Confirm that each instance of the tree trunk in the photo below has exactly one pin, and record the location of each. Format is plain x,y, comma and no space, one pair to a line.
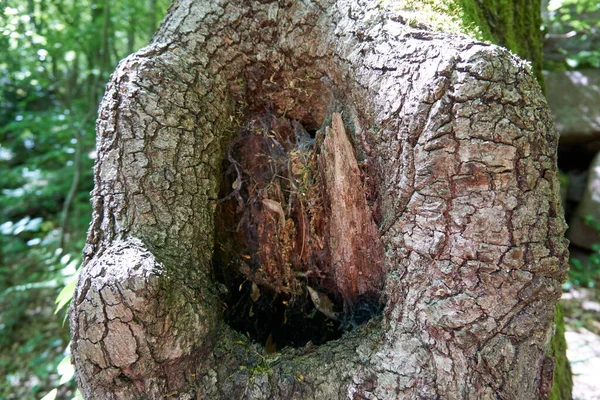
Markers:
459,232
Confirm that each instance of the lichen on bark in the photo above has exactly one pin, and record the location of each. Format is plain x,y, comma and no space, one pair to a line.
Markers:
455,132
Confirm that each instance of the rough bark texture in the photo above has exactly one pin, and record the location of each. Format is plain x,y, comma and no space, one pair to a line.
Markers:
471,224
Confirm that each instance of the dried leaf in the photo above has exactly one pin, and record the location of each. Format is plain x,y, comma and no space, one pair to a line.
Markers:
276,207
296,168
255,294
322,303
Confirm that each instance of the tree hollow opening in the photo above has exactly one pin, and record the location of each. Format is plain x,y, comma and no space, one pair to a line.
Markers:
296,241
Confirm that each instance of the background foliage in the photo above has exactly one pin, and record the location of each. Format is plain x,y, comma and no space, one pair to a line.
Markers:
55,58
572,42
572,34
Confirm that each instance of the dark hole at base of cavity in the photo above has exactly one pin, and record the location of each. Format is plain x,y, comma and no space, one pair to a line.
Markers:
275,321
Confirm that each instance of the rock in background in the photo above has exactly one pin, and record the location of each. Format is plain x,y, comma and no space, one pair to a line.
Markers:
574,98
581,233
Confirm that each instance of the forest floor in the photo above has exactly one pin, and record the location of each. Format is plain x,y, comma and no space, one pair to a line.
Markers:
582,323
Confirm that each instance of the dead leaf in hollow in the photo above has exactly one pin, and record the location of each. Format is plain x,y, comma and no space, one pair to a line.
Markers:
322,303
296,168
255,294
276,207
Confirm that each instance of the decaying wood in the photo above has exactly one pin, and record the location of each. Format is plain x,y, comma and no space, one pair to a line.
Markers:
356,250
327,238
458,155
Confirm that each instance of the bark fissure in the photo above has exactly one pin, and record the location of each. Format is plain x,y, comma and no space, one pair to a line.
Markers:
458,186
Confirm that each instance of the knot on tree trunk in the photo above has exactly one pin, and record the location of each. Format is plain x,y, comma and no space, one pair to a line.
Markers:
133,323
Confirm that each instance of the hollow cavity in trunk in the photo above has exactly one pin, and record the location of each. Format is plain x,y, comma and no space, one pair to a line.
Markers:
297,244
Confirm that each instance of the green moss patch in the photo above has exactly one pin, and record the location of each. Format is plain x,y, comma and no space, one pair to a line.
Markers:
515,25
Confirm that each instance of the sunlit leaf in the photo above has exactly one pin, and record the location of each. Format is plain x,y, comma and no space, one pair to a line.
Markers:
78,395
51,395
65,295
66,370
65,259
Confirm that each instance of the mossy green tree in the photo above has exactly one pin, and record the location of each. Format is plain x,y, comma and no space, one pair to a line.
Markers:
450,217
515,25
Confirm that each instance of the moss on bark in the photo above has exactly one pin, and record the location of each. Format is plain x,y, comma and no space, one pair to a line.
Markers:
515,25
563,381
512,24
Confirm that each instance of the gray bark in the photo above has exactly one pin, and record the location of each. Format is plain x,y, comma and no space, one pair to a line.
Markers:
471,222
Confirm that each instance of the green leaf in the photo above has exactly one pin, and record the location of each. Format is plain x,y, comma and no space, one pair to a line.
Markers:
77,396
65,295
51,395
572,62
66,370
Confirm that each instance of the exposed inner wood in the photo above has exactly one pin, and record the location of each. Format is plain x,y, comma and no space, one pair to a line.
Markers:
356,251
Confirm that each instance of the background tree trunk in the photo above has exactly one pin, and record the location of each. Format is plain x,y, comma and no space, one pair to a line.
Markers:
460,152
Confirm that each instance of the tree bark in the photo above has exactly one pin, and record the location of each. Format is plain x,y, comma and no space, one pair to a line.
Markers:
461,146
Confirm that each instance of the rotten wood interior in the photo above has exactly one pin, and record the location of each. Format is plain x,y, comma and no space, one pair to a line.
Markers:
297,243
